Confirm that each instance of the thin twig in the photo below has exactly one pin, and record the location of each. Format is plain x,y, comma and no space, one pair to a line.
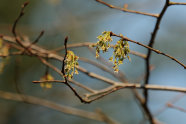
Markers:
75,45
171,101
150,48
89,44
49,81
141,100
120,75
104,92
73,81
151,42
96,76
104,68
26,48
63,63
82,86
15,24
127,10
37,39
176,107
176,3
138,54
138,86
64,76
59,72
105,117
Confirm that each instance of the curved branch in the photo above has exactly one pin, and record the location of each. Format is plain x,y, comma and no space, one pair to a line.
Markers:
54,106
150,48
127,10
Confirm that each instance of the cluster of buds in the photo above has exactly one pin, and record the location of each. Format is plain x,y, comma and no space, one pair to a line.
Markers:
71,63
121,49
103,43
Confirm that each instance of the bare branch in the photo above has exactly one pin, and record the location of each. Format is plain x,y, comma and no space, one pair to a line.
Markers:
75,45
52,105
37,39
63,66
73,81
105,117
64,76
15,24
49,81
171,101
138,54
88,44
150,48
127,10
119,86
120,75
176,3
82,86
151,42
176,107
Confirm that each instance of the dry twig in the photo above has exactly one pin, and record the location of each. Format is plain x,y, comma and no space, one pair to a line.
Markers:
54,106
151,49
151,42
15,24
127,10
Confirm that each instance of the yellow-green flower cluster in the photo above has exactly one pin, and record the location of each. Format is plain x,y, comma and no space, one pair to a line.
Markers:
71,63
121,49
103,43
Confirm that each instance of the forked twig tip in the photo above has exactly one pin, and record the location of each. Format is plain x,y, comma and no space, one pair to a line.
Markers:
25,4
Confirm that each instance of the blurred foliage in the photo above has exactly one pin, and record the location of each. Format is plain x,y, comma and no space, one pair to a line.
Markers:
47,77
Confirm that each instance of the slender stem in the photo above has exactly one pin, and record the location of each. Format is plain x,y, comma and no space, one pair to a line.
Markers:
127,10
151,49
152,40
54,106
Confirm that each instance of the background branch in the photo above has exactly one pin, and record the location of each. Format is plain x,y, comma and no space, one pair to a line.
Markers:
127,10
54,106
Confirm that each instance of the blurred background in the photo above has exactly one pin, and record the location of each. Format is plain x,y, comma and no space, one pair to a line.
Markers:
83,21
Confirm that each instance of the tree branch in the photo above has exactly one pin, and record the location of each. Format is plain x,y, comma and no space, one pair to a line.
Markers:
127,10
54,106
15,24
151,42
150,48
176,3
